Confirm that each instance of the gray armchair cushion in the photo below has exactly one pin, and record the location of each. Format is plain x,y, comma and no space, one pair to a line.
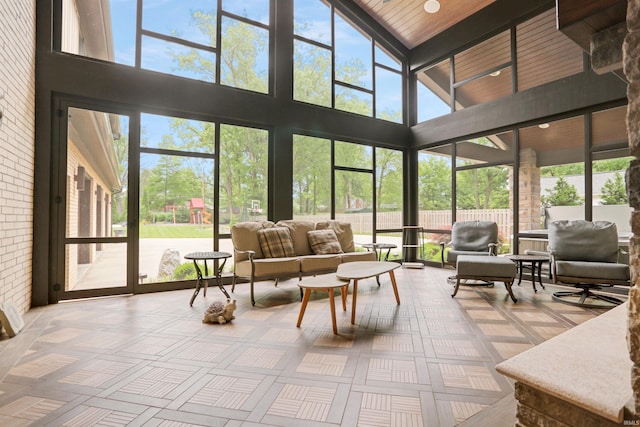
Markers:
473,236
579,240
593,270
452,255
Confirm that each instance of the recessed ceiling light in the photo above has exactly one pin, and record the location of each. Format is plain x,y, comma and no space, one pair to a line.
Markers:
432,6
543,125
495,73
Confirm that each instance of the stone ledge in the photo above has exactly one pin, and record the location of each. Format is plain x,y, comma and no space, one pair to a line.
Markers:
587,366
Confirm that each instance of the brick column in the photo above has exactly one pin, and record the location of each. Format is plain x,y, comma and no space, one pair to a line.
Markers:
631,62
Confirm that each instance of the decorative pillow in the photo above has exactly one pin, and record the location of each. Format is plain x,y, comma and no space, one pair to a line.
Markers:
324,242
276,242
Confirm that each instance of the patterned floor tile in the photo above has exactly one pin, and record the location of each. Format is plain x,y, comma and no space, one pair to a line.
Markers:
322,364
44,365
534,316
201,351
27,409
150,359
548,332
100,417
445,347
399,371
508,349
62,335
468,376
394,343
151,345
303,402
157,382
440,327
225,392
328,339
485,315
499,329
96,373
280,335
463,410
379,410
255,357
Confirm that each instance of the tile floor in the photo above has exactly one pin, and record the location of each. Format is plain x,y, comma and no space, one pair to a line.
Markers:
148,360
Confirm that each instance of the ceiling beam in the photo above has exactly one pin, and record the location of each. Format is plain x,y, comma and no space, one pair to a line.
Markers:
497,17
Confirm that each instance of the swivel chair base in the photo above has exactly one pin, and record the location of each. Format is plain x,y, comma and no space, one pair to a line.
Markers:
586,298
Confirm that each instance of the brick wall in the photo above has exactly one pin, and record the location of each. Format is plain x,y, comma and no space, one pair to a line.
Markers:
17,105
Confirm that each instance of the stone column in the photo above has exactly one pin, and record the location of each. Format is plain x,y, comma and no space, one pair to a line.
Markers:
631,63
529,203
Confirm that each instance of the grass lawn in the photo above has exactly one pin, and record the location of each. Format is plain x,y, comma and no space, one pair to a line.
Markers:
155,231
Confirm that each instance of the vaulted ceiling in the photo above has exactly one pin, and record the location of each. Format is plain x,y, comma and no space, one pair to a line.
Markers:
408,21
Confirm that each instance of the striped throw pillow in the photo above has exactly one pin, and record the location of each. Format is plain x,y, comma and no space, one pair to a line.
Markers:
276,242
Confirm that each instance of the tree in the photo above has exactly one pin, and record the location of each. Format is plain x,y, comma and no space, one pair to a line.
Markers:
614,191
434,179
483,188
388,179
562,194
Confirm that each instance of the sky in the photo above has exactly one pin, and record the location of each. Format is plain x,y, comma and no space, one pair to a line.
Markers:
174,17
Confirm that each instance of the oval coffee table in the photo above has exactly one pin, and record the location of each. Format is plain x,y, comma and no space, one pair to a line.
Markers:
326,283
359,270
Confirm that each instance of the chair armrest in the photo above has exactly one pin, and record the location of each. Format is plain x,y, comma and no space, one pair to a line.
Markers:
552,264
493,248
442,246
250,254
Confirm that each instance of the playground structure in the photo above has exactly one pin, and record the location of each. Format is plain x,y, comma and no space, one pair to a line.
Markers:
198,212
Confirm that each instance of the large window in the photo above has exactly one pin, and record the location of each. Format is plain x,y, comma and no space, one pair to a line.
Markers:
338,65
219,42
350,182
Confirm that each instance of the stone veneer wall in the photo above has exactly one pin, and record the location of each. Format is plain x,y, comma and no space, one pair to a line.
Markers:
529,204
631,61
17,133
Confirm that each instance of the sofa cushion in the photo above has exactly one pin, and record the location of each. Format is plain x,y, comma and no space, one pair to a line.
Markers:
324,242
359,256
299,229
312,263
276,242
245,237
269,267
342,230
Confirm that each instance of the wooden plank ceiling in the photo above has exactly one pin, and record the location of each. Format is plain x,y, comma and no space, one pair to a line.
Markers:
408,21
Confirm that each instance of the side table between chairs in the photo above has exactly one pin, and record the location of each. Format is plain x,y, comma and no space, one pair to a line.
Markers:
536,262
204,278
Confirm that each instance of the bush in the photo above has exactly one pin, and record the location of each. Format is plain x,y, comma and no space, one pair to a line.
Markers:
185,271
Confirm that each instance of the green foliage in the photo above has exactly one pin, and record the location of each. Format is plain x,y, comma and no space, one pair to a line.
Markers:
434,183
483,188
562,194
614,191
185,271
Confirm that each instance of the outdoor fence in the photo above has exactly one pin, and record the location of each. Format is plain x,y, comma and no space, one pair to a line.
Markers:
362,223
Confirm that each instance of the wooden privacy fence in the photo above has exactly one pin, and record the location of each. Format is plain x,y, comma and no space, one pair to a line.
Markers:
362,223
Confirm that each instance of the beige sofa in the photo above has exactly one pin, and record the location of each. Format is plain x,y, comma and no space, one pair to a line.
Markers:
251,262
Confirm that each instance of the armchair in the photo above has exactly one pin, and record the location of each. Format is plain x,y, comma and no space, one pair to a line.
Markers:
470,238
585,255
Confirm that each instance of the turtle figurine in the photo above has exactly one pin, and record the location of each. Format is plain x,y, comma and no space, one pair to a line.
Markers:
219,312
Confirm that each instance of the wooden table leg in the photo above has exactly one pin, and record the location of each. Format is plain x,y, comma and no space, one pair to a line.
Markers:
343,293
332,303
395,287
353,303
303,307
